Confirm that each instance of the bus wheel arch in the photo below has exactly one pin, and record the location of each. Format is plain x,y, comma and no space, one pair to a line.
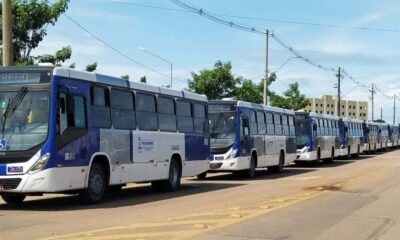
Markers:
97,181
173,182
104,161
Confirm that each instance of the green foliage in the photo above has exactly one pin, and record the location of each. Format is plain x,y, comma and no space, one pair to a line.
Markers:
30,21
249,91
216,83
291,99
72,65
126,77
59,57
143,79
91,67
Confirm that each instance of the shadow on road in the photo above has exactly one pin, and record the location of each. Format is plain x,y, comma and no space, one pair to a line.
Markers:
126,197
261,174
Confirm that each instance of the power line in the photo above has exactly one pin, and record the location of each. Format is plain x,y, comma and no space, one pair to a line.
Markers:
312,24
117,50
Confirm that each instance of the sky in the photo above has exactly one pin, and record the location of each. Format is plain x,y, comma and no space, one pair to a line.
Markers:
192,42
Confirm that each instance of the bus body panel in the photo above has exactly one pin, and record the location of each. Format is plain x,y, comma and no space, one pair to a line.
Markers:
132,155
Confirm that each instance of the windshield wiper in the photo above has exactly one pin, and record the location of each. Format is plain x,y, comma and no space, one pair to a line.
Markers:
13,105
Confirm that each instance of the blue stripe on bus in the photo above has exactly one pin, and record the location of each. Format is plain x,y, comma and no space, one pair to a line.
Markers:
195,149
3,169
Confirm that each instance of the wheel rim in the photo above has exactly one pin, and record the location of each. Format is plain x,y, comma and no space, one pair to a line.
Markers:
96,184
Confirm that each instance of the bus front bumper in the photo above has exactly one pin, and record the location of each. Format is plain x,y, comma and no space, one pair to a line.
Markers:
233,164
46,181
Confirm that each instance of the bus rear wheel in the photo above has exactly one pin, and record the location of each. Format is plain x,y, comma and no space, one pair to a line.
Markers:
96,188
13,199
332,158
279,168
174,179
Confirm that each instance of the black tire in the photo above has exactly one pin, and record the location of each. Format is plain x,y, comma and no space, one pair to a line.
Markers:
358,152
251,172
348,153
174,179
332,158
115,188
96,189
13,199
202,176
279,168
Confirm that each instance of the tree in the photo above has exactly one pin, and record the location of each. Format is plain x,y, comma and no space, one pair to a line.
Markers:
216,83
143,79
59,57
91,67
251,92
72,65
126,77
30,20
291,99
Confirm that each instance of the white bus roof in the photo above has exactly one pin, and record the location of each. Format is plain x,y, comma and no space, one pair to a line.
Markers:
109,80
257,106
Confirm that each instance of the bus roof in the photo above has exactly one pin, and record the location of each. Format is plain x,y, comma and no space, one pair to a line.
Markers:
114,81
253,106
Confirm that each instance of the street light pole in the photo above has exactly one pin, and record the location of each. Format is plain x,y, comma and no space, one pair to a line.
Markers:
284,64
265,100
163,59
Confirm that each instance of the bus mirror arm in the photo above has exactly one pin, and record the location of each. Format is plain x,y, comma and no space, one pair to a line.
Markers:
246,122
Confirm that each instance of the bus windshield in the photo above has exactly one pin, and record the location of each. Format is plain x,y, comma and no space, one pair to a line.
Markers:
302,132
23,119
222,129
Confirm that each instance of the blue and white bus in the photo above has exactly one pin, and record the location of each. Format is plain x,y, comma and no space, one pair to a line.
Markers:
77,132
352,137
317,137
245,136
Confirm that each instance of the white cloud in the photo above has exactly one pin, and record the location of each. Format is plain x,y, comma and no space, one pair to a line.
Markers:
100,15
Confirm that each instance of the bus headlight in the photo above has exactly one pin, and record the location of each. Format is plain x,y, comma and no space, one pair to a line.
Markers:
39,165
232,154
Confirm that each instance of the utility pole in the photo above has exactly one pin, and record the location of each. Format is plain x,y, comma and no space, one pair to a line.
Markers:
372,91
266,69
7,34
381,113
339,78
394,110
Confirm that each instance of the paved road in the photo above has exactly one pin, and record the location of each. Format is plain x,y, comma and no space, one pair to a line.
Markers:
349,199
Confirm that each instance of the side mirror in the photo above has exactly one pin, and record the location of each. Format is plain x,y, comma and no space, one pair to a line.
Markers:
315,127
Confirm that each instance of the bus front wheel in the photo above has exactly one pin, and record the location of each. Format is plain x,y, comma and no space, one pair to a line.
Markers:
13,199
251,172
96,188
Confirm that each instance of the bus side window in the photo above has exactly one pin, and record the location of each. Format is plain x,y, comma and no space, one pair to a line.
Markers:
270,124
146,112
200,117
245,127
253,123
100,101
184,116
261,123
278,124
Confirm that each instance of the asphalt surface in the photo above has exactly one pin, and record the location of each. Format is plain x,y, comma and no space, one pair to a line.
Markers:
349,199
